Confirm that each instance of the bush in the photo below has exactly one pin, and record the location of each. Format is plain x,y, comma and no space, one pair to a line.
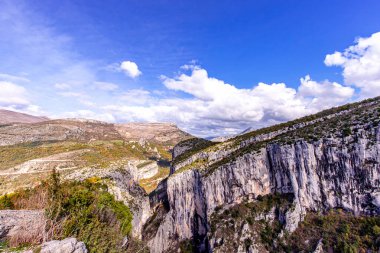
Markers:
347,131
87,211
5,202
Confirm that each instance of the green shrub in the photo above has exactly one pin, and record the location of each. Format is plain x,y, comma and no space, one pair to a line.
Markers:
87,211
5,202
340,231
186,246
347,131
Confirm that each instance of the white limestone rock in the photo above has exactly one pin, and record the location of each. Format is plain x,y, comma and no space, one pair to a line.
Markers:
68,245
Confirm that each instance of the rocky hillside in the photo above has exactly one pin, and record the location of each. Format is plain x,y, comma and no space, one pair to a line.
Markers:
128,160
90,130
266,185
7,117
165,133
308,185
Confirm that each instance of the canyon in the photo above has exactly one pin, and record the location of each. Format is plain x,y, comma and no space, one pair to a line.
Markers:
317,176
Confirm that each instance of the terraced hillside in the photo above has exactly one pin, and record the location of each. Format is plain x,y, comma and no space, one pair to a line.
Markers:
34,149
96,163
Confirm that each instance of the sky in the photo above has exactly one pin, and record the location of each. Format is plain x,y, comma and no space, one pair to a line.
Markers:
212,67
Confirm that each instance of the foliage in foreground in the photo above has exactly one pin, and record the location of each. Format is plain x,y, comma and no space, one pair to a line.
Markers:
30,199
86,210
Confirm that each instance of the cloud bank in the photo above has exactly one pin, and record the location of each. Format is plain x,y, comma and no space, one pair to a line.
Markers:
217,107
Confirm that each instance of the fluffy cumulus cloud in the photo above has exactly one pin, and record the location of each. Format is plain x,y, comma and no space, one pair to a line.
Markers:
324,94
130,68
12,94
361,64
215,107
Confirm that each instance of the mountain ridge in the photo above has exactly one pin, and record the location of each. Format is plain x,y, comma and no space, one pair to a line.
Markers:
8,117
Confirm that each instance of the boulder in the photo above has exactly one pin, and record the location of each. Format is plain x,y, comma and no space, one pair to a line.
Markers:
68,245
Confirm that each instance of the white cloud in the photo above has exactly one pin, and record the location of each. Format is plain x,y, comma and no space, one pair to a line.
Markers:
335,59
71,94
137,96
62,86
361,64
12,94
13,78
130,68
87,114
15,98
324,94
216,107
106,86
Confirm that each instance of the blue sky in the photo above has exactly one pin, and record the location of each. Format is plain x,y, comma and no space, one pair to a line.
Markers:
208,66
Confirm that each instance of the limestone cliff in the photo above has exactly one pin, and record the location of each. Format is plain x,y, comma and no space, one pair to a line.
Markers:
329,160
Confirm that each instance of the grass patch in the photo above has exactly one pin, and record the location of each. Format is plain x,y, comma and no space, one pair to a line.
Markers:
30,199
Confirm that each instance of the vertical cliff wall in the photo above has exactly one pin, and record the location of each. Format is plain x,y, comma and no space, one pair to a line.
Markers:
329,163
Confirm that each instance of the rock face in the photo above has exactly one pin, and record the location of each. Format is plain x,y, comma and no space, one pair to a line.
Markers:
185,197
68,245
334,170
147,169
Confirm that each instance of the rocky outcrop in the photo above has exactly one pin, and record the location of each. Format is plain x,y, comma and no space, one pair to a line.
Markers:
147,169
166,133
68,245
319,248
186,218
